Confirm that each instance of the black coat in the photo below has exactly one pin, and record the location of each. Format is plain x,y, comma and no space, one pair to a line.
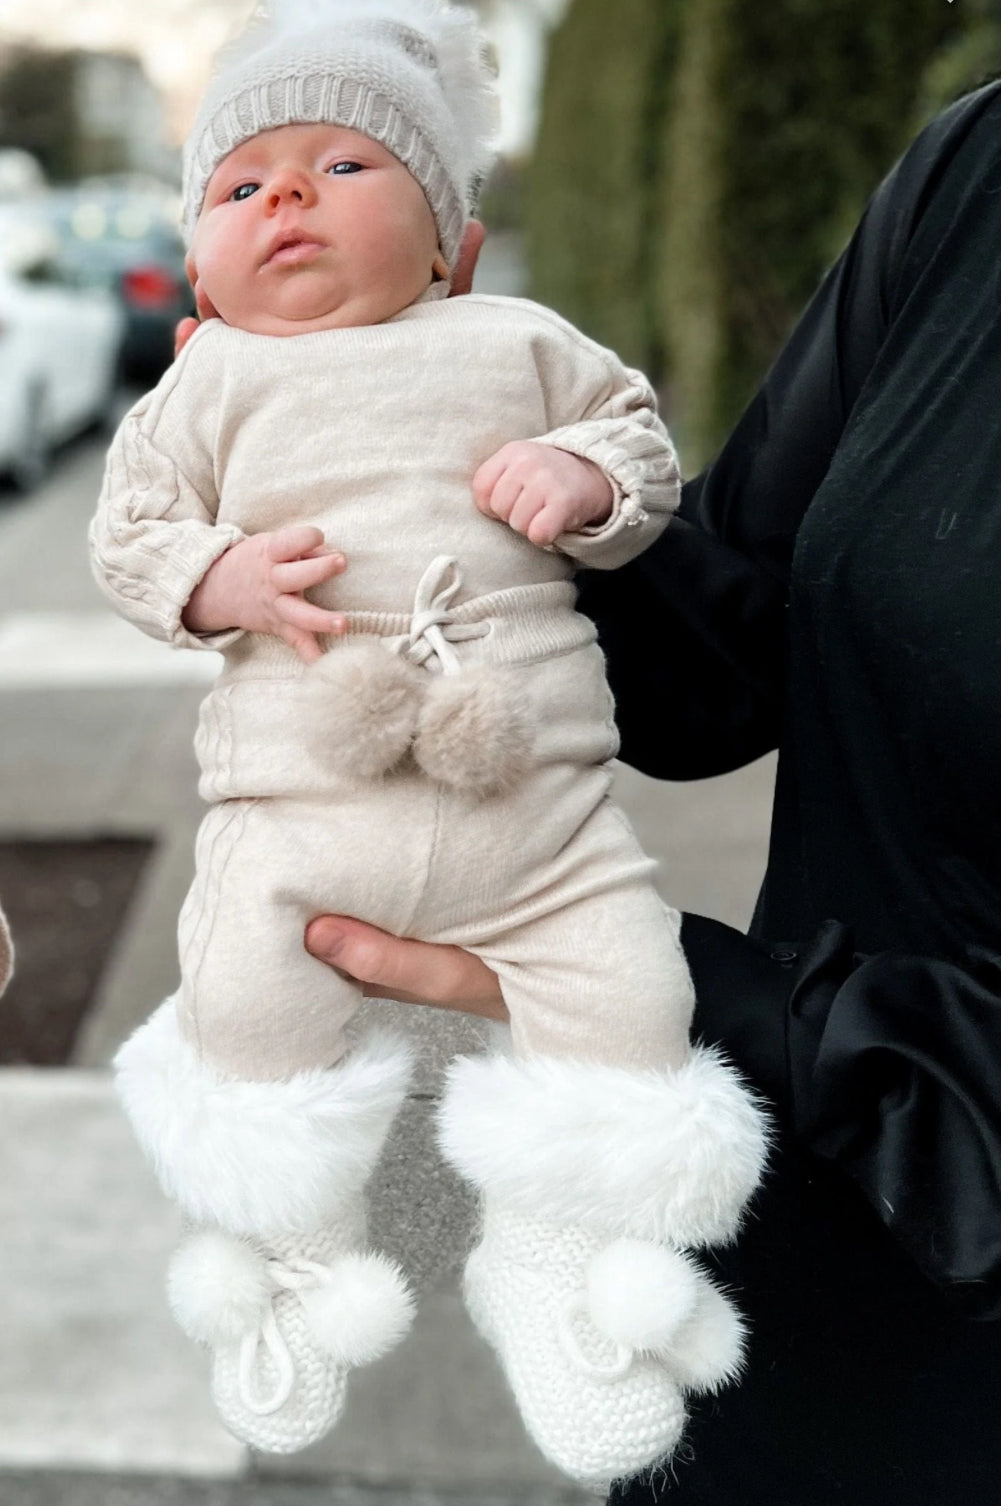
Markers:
832,587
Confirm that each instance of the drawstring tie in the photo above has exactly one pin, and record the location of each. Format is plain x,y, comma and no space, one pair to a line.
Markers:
433,628
304,1275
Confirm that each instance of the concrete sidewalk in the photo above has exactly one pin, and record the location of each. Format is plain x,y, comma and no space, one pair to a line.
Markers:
58,1489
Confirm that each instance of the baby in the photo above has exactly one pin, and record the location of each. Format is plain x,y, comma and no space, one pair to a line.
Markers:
424,743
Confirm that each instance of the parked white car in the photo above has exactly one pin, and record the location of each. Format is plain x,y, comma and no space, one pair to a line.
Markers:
59,347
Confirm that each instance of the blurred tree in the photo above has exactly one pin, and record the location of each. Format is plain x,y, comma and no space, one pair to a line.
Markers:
80,112
700,163
593,181
37,107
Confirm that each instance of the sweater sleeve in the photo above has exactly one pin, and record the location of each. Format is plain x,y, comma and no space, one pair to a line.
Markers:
697,623
155,532
607,413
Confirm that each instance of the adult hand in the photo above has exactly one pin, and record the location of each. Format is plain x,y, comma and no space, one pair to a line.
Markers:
462,282
187,327
414,972
469,251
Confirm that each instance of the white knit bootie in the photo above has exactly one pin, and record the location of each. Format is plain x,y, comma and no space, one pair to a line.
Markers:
595,1180
286,1322
275,1279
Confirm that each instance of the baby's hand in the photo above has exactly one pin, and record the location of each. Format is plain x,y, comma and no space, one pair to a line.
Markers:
257,585
541,491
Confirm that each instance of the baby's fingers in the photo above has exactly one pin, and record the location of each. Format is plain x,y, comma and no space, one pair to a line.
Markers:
495,484
546,526
304,644
293,542
296,613
300,574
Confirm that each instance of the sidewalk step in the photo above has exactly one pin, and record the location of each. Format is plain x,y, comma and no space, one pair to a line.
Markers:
54,649
95,1376
20,1489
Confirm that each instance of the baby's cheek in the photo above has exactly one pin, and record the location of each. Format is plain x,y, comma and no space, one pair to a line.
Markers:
221,284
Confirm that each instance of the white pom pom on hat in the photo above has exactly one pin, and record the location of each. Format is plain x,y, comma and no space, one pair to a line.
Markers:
411,74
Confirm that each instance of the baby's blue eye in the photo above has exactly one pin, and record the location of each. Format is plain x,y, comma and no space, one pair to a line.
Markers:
344,167
244,191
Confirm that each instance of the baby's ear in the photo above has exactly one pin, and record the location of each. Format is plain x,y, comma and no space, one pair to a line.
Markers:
191,271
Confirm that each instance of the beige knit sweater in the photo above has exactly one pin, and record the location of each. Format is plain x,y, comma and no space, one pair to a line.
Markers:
373,435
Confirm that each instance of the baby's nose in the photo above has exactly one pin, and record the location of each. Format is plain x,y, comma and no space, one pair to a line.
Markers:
290,185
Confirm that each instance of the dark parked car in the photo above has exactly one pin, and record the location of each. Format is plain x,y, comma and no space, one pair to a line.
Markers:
125,238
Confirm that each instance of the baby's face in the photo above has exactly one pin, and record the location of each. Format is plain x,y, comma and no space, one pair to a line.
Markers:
311,227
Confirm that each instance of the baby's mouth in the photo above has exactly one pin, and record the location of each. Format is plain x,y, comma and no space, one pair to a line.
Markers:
292,248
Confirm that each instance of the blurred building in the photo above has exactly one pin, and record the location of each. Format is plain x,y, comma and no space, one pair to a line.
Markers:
82,113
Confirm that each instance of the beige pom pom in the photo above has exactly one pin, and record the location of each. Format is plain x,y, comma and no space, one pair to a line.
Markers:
363,702
474,731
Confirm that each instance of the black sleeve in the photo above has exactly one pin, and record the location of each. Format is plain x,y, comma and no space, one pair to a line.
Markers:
888,1067
694,629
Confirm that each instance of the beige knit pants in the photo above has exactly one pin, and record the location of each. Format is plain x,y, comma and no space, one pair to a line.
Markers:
548,885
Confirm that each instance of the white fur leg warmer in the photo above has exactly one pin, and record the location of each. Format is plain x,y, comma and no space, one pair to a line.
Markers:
260,1159
665,1156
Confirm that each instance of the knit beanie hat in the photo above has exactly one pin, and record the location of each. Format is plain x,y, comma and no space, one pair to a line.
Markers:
410,74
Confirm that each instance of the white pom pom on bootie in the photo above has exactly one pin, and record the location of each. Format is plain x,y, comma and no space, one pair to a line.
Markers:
640,1294
658,1301
474,730
707,1352
217,1287
363,704
361,1311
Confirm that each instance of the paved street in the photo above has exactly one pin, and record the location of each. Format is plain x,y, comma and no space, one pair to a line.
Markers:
101,1400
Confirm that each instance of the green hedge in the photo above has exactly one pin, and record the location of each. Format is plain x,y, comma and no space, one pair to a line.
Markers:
701,162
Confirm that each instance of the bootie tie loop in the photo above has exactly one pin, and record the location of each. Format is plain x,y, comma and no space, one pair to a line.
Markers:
355,1310
576,1317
